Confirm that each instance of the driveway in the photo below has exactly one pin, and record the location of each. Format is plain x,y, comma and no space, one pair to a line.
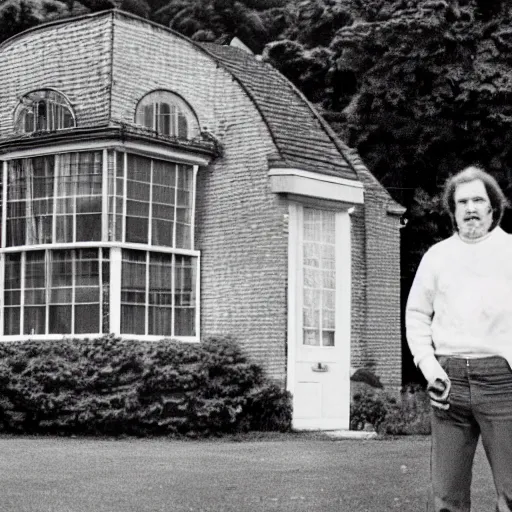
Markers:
299,473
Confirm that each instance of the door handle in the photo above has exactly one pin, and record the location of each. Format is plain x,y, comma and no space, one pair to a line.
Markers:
320,367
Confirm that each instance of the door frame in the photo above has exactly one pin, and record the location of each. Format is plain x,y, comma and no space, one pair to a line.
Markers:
343,306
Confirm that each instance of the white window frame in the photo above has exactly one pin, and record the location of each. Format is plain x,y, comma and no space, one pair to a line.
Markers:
116,247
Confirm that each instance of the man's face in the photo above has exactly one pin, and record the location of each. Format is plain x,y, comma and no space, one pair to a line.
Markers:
473,210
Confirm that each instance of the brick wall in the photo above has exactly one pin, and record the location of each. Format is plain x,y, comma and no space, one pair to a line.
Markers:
381,341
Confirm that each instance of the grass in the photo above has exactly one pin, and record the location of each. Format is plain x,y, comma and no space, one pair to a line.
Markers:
256,473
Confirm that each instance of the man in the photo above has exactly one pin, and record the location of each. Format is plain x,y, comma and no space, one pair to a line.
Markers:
459,329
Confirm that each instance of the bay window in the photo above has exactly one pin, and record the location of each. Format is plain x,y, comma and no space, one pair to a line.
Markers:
96,242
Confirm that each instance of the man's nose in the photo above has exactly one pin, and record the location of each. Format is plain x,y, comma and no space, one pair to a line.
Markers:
470,206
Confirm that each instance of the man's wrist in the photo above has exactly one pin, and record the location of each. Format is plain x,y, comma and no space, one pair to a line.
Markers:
431,369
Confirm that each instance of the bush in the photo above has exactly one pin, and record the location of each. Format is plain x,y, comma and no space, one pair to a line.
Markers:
108,386
369,407
411,416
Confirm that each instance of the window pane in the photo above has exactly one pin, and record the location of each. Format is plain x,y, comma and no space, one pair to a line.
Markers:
87,318
182,126
160,321
164,119
79,189
29,201
133,292
138,194
12,280
12,321
105,290
319,277
132,319
184,282
34,320
12,284
34,270
185,318
160,294
60,319
88,228
35,284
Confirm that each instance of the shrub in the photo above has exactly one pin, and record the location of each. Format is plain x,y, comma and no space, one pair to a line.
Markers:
368,407
412,415
409,416
109,386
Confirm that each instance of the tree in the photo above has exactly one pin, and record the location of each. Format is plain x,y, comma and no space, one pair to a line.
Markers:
19,15
224,19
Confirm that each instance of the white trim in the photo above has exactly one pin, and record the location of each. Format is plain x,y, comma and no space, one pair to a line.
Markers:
198,298
95,245
173,296
157,151
2,280
343,338
195,170
57,337
114,299
5,177
293,235
147,291
104,197
23,263
124,198
311,184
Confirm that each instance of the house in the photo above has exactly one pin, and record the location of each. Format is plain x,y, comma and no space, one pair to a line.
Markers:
155,187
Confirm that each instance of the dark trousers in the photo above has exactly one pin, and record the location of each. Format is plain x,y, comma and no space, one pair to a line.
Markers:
480,404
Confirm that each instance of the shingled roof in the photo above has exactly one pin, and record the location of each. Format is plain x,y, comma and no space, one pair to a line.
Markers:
299,134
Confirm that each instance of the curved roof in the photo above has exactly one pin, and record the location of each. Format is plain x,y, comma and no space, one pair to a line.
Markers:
298,131
299,134
302,138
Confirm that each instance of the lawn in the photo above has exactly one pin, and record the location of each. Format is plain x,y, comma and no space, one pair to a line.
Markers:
287,472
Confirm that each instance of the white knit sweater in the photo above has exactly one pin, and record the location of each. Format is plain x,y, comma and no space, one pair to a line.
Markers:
461,301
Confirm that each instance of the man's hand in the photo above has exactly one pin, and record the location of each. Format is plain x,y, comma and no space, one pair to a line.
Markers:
438,391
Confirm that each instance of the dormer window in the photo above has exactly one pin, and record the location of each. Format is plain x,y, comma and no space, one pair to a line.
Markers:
44,110
167,114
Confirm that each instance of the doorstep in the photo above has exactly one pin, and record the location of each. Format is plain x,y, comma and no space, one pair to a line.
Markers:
350,434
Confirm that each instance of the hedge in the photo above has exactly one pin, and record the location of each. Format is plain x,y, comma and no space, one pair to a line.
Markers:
109,386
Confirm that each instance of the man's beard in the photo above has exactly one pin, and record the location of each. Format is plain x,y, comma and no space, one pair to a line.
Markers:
474,228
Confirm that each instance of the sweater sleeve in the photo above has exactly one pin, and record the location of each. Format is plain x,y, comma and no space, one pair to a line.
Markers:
418,318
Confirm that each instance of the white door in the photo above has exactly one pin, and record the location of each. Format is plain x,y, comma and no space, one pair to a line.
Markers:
319,317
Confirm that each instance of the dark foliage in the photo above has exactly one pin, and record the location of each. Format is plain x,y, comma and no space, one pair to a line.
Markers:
408,416
107,386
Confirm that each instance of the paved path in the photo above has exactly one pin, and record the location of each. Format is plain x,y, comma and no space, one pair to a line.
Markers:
286,473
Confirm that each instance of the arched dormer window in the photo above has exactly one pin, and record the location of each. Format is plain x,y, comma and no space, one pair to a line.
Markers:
167,114
44,110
